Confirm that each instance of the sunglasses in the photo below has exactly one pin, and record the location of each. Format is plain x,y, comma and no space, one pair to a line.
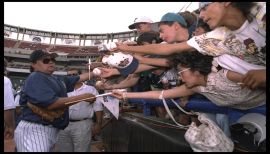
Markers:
180,72
74,74
47,60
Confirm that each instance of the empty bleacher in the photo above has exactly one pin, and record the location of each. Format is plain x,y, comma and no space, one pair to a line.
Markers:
26,45
33,45
9,43
88,49
62,48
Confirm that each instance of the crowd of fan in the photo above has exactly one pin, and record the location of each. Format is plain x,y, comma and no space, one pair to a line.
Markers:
218,55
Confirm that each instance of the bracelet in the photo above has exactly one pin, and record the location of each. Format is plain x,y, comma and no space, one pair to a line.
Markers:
161,95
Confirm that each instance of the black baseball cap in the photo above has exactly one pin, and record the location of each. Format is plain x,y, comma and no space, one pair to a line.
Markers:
39,54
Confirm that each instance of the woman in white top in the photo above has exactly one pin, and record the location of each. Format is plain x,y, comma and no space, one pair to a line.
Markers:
222,87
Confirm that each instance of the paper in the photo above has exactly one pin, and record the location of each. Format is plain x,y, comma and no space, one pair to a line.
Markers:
106,94
112,104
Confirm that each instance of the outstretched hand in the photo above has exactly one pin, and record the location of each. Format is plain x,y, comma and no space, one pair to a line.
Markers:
120,46
118,94
138,57
254,79
108,72
102,85
116,48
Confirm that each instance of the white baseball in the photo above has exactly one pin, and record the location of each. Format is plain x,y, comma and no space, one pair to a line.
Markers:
96,71
99,83
164,80
111,45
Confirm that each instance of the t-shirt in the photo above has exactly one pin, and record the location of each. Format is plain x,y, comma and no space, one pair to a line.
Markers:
8,94
42,90
235,64
223,92
144,82
84,109
248,42
17,98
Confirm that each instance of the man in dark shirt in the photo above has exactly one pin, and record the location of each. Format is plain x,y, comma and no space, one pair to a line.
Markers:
47,91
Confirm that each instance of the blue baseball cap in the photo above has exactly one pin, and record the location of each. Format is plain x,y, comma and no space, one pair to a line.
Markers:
173,17
131,68
40,53
203,4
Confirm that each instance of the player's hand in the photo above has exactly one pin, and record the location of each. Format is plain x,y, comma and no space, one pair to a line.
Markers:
8,133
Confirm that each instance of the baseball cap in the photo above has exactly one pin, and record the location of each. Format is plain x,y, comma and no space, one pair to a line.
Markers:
39,54
173,17
125,63
203,4
140,20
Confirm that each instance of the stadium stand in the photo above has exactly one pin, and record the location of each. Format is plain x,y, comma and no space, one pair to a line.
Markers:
32,45
10,43
18,45
67,49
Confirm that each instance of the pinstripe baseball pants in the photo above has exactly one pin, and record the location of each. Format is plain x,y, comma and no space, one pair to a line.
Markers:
33,137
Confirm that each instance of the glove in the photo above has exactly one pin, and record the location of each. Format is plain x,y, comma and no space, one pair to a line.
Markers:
48,115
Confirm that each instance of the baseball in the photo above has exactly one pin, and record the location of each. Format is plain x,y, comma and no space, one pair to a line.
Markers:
96,71
111,45
164,80
99,83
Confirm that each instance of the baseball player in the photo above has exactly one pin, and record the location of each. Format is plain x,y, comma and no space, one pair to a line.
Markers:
45,104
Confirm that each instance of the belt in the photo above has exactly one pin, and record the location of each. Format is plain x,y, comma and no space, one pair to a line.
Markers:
38,123
71,120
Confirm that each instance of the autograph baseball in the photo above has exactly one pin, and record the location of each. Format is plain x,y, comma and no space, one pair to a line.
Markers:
96,71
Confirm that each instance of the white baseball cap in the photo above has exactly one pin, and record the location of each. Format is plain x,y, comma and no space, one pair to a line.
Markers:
125,63
140,20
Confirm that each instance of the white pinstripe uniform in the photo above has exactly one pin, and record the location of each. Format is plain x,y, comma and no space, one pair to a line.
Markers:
32,133
39,138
